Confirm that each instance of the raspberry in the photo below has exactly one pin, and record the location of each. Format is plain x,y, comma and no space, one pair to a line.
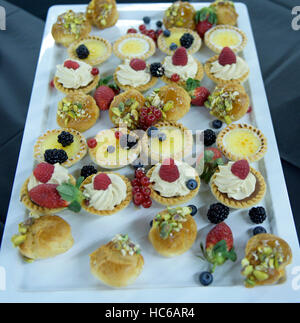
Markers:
103,97
131,31
43,172
240,168
227,56
101,182
137,64
92,143
95,71
169,171
180,57
71,65
175,78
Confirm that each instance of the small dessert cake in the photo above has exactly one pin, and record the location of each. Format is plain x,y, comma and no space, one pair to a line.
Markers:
226,67
102,13
134,74
173,231
173,182
76,76
118,263
237,185
222,36
180,14
44,237
266,257
242,141
91,50
65,146
228,102
180,67
77,111
134,46
226,13
114,148
69,27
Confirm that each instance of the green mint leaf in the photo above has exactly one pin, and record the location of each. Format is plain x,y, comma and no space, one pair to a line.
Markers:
79,181
105,80
75,206
67,191
192,84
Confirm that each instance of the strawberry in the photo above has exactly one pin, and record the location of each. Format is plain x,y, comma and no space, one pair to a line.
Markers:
43,172
205,19
199,94
101,182
169,171
103,97
71,65
219,246
202,27
46,195
241,168
180,57
137,64
227,57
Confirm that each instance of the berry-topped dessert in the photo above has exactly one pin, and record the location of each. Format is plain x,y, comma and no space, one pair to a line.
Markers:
173,38
66,146
266,258
69,27
76,76
242,141
205,19
180,14
102,13
237,185
226,67
105,193
134,74
91,50
114,148
173,182
180,67
225,11
173,232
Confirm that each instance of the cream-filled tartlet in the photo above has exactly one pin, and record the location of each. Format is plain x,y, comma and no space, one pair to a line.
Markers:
76,76
105,193
238,185
134,74
173,182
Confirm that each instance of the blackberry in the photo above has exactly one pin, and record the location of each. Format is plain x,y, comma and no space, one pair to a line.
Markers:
217,213
259,230
186,40
82,52
65,138
53,156
209,137
157,70
257,214
87,171
128,142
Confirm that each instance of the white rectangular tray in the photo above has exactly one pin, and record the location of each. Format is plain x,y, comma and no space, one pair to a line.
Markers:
67,277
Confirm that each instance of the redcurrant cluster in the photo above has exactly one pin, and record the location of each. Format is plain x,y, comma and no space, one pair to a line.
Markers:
153,34
140,189
149,116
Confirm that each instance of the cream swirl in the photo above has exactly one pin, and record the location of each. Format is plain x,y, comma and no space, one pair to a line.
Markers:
128,76
74,79
60,175
104,200
229,72
232,185
176,188
188,71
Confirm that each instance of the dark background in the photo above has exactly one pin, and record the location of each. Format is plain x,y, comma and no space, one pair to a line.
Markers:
278,47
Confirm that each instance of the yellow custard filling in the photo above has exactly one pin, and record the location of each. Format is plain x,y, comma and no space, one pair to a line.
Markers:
174,38
96,48
133,47
225,38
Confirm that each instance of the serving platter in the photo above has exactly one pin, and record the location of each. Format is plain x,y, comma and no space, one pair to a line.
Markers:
67,277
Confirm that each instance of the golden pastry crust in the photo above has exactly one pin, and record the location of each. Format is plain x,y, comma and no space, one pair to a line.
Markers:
199,76
118,207
161,41
65,36
47,237
253,199
85,89
219,81
103,13
180,14
112,268
231,156
278,275
158,157
34,208
226,13
38,152
177,244
96,61
172,201
145,56
82,123
218,49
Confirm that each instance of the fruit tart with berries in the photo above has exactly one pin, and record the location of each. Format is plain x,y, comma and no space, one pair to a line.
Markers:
180,14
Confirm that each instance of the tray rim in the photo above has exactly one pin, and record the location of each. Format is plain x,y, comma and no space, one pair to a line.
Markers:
284,223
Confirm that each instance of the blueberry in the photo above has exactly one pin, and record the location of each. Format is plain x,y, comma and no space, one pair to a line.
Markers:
159,24
206,278
217,124
194,209
152,132
162,136
137,164
111,149
151,223
146,20
167,33
259,230
191,184
173,46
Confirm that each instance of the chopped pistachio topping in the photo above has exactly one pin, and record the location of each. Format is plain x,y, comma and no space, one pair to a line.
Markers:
72,111
72,22
19,238
125,245
127,113
105,10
